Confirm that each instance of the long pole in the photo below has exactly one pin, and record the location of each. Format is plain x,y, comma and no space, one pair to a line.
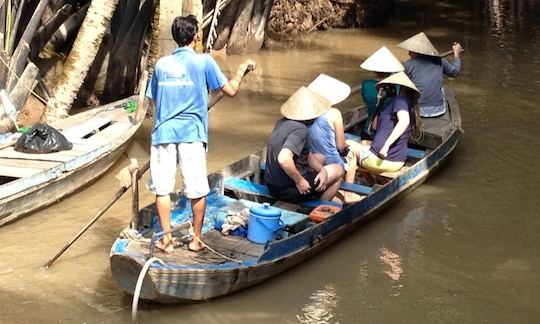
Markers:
111,202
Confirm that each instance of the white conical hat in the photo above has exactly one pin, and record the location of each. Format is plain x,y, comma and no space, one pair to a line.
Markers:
332,89
402,79
382,61
305,104
420,44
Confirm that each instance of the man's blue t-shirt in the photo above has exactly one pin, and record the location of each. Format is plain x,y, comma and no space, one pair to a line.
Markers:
426,72
179,88
386,122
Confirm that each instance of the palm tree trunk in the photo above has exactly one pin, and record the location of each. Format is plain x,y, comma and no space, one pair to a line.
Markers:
80,58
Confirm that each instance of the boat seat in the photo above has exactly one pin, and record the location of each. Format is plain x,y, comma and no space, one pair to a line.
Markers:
411,152
352,187
246,186
356,188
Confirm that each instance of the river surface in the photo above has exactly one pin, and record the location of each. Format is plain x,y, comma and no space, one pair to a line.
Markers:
462,248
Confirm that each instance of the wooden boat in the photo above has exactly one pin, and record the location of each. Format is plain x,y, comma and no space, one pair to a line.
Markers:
32,181
238,263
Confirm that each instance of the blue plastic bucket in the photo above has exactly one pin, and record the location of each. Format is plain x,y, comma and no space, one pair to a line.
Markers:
263,223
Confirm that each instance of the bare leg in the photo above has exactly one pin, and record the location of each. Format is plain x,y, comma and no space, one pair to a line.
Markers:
335,174
331,191
354,154
163,206
198,206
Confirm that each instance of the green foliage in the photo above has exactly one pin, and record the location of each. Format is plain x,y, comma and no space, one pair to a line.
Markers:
131,106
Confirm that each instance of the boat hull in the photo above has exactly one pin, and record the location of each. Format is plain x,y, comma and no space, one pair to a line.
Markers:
178,283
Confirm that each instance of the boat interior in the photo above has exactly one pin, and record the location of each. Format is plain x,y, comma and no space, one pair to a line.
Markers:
236,188
89,135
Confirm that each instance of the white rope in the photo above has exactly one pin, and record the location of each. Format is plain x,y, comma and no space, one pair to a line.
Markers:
212,33
208,17
192,233
138,287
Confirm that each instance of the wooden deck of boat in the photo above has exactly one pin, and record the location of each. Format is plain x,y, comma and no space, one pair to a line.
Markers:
234,247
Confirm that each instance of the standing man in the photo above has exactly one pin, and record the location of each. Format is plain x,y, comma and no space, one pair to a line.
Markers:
179,89
288,174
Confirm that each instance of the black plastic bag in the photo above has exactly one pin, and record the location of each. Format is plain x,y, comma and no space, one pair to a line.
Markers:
42,138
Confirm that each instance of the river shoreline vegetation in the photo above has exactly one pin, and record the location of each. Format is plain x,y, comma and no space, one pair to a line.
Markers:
59,54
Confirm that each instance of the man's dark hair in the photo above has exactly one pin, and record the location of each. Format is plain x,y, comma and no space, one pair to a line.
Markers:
184,29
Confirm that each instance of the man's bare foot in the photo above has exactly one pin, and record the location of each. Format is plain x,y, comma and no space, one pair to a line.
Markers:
352,197
165,247
195,246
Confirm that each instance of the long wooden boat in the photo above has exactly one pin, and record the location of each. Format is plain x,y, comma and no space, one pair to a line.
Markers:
32,181
238,263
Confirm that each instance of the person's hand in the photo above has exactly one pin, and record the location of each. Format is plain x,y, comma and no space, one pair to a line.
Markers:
383,153
251,62
457,48
321,180
303,186
244,67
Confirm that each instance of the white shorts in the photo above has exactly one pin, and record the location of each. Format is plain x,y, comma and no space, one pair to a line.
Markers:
191,157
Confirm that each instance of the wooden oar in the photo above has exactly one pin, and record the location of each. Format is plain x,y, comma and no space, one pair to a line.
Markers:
102,211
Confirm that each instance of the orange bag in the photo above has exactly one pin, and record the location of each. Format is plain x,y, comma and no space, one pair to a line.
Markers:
323,212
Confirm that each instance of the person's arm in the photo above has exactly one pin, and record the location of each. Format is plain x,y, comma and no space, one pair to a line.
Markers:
231,87
286,161
321,179
453,69
337,121
402,124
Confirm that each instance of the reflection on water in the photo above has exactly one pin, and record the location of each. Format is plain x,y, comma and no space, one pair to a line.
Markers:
393,260
321,308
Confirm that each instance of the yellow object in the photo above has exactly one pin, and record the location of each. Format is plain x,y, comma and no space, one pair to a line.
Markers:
376,164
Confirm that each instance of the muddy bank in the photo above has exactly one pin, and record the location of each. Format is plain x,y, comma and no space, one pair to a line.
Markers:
291,17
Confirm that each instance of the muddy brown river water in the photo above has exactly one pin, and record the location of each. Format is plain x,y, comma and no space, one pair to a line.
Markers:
463,248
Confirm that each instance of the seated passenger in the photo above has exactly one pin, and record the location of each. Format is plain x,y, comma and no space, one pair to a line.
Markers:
393,125
326,135
383,63
426,68
288,174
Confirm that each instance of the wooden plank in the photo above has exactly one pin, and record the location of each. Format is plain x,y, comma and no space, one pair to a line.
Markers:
9,152
354,187
110,133
62,156
18,172
29,163
77,132
22,184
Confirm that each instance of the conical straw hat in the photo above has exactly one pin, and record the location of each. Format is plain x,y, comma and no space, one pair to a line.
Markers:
402,79
332,89
305,104
382,61
420,44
